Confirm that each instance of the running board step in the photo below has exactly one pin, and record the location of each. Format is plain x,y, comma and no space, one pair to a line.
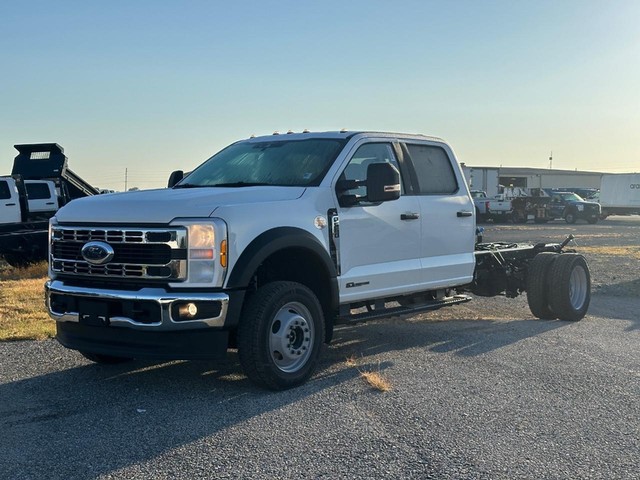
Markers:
403,310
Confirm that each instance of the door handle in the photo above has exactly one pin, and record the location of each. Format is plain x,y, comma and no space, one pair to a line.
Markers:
409,216
50,203
10,204
464,214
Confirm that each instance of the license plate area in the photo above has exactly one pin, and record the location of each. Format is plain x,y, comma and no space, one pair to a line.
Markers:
93,312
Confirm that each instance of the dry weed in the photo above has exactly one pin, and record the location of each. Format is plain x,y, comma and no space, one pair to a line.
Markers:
35,270
376,380
351,361
624,251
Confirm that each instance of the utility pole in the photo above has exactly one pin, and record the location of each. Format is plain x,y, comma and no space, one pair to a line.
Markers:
551,160
125,179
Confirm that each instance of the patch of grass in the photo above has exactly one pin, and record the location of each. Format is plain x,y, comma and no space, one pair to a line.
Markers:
376,380
628,251
35,270
23,315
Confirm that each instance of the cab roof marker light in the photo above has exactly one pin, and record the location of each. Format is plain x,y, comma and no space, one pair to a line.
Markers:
343,130
306,130
276,133
289,132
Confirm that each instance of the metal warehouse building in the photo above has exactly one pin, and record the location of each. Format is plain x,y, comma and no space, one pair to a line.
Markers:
488,178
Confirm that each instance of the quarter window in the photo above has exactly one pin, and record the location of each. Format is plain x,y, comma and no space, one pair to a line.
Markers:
433,169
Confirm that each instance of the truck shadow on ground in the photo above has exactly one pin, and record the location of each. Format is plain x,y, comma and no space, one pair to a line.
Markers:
91,420
613,307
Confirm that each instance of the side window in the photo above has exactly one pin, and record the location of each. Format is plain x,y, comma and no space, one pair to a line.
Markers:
433,169
38,191
356,169
5,193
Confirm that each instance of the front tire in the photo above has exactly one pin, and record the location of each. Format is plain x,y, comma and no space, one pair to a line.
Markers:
280,335
537,285
570,287
570,218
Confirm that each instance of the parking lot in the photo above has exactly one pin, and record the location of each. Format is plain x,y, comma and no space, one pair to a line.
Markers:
479,390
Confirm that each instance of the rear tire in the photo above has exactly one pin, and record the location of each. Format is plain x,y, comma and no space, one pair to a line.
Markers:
280,335
537,285
570,287
105,359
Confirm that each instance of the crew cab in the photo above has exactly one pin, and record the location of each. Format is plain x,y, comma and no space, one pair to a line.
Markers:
274,240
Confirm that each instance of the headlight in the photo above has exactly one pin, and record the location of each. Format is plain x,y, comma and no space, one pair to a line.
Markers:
206,252
202,253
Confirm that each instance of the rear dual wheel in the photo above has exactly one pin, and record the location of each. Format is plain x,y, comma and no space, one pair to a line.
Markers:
559,286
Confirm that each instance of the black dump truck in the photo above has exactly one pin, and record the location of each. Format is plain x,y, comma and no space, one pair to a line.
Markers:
40,183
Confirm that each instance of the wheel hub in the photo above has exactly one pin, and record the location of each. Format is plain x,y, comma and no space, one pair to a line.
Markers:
291,337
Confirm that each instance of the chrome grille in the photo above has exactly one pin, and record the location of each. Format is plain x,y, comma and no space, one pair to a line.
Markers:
141,253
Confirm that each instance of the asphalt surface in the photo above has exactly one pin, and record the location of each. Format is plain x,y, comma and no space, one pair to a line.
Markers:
480,390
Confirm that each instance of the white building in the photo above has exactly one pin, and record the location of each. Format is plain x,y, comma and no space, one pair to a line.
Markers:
489,178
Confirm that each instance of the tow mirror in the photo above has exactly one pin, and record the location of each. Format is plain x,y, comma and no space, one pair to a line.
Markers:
383,182
175,177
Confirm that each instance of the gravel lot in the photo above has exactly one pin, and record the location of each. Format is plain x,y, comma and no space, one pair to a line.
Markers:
480,390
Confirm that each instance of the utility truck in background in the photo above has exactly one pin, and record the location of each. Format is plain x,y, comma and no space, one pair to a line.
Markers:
620,194
274,240
39,184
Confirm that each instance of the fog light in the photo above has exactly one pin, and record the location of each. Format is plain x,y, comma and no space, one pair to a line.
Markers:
188,310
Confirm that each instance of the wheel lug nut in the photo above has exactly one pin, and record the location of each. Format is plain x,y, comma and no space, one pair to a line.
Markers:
299,352
306,329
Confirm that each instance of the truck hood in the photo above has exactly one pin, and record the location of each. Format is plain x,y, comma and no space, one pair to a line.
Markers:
164,205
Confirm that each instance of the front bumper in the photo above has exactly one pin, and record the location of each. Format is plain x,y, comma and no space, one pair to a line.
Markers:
150,309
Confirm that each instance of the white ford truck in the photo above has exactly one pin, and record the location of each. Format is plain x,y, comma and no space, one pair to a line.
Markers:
274,240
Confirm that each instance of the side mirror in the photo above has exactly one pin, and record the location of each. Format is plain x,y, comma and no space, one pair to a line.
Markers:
383,182
175,177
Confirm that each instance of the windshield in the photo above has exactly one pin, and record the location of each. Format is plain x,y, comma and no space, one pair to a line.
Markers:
571,197
298,163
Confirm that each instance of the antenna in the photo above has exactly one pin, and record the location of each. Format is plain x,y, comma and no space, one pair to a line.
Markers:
125,179
551,160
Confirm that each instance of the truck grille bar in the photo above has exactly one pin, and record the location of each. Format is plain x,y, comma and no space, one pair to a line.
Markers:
139,253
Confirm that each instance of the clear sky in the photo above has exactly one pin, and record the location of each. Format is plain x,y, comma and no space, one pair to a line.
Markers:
153,86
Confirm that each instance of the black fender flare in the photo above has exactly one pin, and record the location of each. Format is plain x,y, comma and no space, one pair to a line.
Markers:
272,241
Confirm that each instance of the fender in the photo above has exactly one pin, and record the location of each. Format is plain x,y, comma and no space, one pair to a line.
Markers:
270,242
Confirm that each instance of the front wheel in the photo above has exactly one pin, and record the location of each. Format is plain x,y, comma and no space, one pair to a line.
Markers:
570,217
569,287
280,335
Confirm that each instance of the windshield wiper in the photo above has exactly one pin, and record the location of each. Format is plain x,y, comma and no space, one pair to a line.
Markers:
189,185
241,184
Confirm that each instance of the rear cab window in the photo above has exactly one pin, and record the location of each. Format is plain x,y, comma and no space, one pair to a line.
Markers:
433,169
5,191
38,191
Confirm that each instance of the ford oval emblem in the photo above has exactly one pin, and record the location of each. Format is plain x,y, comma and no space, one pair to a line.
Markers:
97,253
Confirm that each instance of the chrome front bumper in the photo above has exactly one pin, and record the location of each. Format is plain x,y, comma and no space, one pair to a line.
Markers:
159,296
